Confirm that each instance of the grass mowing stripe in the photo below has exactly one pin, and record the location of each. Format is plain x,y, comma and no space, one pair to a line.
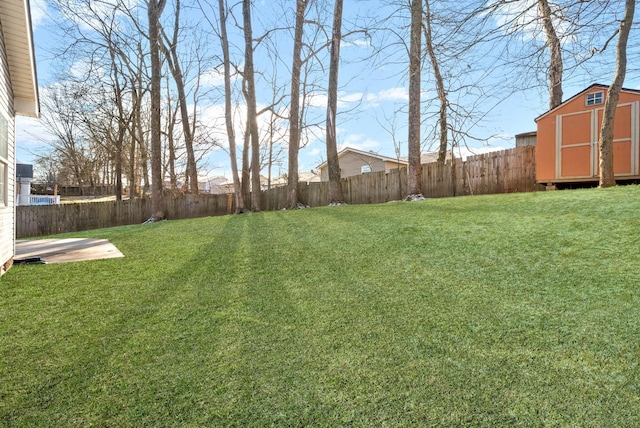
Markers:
486,311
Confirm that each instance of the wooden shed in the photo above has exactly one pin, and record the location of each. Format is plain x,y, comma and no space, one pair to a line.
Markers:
567,147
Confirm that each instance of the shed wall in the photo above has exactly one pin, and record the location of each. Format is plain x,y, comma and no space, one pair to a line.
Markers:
567,139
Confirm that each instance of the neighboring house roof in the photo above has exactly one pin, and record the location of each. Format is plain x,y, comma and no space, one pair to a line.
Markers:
309,177
280,180
427,157
593,86
15,20
363,153
216,181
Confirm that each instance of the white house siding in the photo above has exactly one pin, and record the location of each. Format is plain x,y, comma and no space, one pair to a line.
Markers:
7,211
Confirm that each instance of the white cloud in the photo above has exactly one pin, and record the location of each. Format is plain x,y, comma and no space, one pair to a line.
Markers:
359,43
359,142
213,120
369,144
80,69
391,94
464,152
316,152
212,78
350,139
29,131
38,11
344,99
31,139
215,77
317,100
523,16
95,15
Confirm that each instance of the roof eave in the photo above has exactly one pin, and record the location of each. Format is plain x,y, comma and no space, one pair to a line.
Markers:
15,16
26,107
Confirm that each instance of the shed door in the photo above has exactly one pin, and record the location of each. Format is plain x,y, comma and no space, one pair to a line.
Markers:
625,139
577,142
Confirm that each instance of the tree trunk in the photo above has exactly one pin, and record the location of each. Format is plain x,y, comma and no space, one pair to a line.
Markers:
335,184
171,161
442,94
144,161
154,11
414,178
228,112
607,175
135,105
294,109
121,123
555,53
118,165
246,170
252,115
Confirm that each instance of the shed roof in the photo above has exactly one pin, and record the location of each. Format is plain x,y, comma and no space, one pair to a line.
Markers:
593,86
15,22
527,134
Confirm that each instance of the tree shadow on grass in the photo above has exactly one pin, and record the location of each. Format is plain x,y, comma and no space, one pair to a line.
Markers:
140,351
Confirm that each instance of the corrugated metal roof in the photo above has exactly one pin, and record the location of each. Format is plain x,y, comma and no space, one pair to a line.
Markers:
15,19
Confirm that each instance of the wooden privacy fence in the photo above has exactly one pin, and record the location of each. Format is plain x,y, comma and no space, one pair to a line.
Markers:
52,219
505,171
496,172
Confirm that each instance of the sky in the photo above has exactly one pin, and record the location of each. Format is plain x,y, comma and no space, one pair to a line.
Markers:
370,93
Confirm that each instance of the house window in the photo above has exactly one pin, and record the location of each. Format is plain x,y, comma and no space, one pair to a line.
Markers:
4,160
365,169
595,98
3,184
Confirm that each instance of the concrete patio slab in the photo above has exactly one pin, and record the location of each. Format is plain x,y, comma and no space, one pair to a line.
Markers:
66,250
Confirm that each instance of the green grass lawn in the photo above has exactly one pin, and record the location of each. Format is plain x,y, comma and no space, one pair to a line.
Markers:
508,310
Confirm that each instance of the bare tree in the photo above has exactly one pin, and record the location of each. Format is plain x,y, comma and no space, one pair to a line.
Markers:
138,170
62,120
442,94
414,179
607,176
555,54
122,124
170,49
228,111
252,114
154,11
294,108
335,185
